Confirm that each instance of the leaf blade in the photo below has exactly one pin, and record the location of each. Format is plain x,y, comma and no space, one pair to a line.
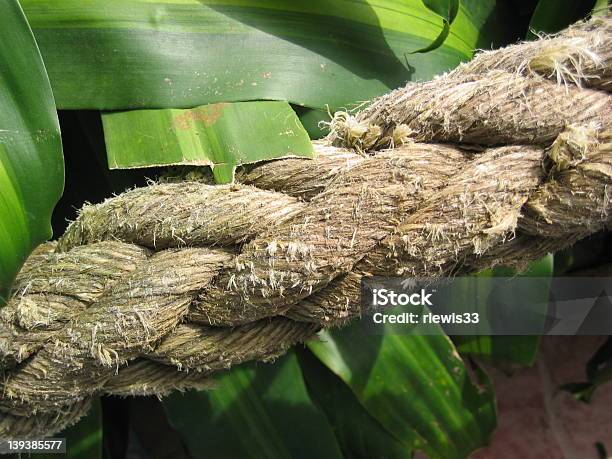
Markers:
428,402
31,163
358,433
513,350
119,54
222,136
259,400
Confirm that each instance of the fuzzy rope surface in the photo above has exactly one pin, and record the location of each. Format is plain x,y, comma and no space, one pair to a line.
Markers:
157,288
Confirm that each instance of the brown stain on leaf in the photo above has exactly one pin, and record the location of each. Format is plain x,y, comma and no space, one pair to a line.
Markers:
207,115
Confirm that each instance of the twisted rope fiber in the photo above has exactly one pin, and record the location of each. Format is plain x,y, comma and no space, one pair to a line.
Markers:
155,289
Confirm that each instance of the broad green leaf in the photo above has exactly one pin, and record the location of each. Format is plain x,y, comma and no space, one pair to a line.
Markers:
120,54
84,439
358,433
521,350
554,15
256,411
416,387
31,163
218,135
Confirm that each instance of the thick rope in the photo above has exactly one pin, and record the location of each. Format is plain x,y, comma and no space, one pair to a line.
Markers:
155,289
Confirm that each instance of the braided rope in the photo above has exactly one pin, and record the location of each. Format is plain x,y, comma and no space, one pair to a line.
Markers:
157,288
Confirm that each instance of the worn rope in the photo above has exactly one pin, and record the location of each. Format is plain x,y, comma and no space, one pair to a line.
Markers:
157,288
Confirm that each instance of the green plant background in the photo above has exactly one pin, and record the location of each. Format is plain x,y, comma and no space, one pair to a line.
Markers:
121,71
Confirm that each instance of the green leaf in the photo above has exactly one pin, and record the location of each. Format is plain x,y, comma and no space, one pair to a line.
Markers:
521,350
256,411
554,15
84,439
448,10
31,163
416,387
359,434
220,135
120,54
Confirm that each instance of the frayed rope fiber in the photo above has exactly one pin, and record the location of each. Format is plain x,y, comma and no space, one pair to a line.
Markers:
501,161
